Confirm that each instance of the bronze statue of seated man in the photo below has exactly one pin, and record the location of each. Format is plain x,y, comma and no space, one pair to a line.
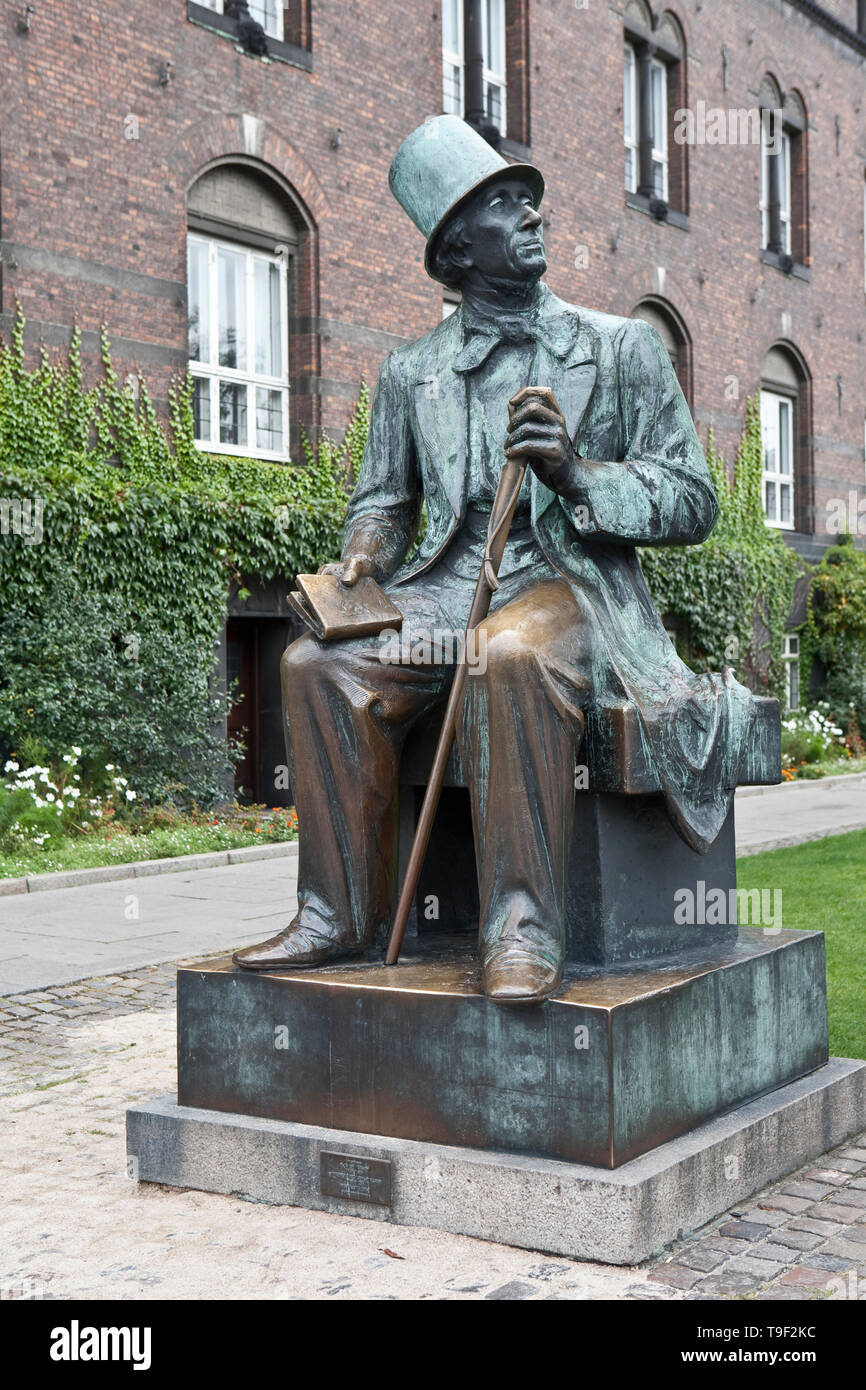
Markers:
614,463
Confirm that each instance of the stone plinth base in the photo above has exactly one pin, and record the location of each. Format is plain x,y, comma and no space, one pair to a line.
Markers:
616,1064
617,1217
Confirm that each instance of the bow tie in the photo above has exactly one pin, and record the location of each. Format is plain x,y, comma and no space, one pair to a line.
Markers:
482,336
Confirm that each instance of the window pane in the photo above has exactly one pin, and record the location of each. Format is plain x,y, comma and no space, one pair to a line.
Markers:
198,300
233,413
267,316
658,87
232,314
493,102
628,96
658,179
794,685
770,501
784,437
269,419
451,26
785,503
201,408
452,87
268,14
494,37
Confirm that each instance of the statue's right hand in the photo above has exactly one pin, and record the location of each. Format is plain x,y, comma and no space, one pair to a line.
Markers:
349,571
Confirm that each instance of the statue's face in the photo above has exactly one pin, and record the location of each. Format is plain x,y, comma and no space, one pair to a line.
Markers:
504,230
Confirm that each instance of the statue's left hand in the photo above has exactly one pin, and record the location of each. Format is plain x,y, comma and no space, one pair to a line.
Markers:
537,431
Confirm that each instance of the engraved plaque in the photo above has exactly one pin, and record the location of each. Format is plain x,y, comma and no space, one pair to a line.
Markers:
355,1178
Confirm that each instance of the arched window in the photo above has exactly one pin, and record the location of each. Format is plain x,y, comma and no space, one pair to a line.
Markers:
654,89
673,333
784,198
786,430
243,240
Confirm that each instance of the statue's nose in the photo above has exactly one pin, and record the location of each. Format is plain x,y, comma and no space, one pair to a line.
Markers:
531,218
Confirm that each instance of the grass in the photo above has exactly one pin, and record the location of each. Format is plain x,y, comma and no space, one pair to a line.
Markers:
824,889
92,851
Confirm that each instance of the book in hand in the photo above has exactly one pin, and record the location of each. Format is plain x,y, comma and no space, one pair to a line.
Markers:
334,610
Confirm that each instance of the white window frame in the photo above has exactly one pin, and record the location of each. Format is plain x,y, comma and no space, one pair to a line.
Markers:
453,68
258,11
660,156
214,373
771,436
493,12
632,126
784,190
791,659
454,63
631,123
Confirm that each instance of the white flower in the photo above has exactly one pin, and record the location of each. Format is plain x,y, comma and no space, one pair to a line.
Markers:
49,796
109,767
76,751
10,767
130,796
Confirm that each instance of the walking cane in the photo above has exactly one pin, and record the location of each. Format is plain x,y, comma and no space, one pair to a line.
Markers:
502,512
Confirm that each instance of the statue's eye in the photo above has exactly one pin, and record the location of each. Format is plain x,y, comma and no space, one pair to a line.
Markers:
495,203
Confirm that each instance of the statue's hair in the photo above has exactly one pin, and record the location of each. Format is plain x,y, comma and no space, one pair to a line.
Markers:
451,238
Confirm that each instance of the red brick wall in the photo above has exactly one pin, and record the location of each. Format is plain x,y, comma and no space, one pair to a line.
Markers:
83,207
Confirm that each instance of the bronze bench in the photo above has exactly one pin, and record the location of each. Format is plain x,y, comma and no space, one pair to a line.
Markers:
627,861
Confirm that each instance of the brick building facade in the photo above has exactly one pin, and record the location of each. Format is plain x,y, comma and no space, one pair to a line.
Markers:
138,139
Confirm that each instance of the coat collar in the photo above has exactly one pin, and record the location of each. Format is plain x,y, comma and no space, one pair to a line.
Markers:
552,325
566,365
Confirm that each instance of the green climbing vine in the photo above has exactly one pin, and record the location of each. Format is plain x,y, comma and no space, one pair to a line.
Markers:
119,540
730,598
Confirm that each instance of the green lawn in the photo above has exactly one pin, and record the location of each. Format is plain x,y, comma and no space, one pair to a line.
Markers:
88,852
824,889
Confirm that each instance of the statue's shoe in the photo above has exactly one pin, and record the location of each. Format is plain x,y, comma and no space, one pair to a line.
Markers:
514,975
295,946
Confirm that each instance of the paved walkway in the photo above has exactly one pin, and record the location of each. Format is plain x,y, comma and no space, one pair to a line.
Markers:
53,938
773,817
66,934
74,1226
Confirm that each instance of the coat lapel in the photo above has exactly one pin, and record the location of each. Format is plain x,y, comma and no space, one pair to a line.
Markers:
566,364
441,413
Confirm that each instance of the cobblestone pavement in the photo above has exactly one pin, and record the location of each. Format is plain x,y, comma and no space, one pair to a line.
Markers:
73,1057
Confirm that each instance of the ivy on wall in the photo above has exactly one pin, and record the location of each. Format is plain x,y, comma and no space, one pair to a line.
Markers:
119,540
730,597
834,638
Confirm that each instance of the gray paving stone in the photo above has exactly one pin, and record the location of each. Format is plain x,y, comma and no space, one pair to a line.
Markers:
730,1284
749,1264
792,1205
766,1216
799,1240
778,1253
828,1262
702,1256
814,1191
744,1230
833,1177
831,1211
678,1276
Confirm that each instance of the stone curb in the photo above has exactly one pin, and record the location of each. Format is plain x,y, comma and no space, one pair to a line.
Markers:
145,868
852,779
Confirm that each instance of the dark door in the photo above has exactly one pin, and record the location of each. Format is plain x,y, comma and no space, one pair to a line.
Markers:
243,719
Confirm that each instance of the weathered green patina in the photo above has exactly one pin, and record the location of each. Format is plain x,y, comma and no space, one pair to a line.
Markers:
593,406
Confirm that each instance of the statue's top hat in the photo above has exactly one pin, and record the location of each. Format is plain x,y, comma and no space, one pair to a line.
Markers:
439,166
